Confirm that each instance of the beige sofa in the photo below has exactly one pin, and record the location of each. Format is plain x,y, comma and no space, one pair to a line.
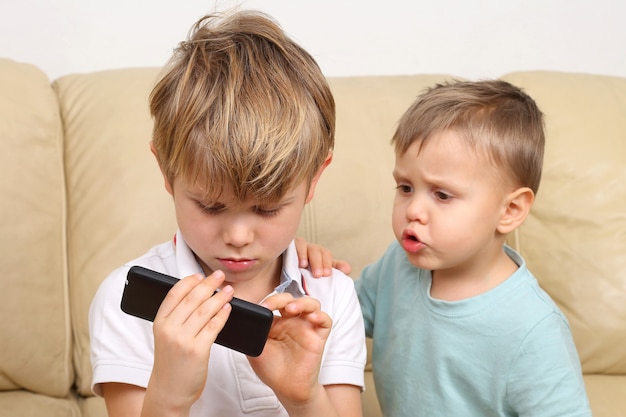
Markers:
81,194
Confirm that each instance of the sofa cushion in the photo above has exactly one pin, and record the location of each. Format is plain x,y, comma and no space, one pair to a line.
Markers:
35,351
574,238
24,403
606,395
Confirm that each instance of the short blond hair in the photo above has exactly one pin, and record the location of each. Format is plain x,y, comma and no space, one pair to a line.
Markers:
496,118
243,105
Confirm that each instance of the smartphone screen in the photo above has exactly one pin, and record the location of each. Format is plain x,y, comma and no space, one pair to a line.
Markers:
245,330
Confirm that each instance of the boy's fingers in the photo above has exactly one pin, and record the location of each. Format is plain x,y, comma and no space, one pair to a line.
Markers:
327,262
307,307
304,305
343,266
316,260
277,301
320,319
191,292
177,293
315,257
217,321
290,306
301,250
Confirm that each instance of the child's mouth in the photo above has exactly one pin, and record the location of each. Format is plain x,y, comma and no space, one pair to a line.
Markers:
237,265
411,242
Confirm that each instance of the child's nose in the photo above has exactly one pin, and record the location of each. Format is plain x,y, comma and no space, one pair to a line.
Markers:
416,209
237,233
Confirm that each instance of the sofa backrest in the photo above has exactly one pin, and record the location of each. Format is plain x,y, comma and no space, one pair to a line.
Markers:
35,330
82,194
117,205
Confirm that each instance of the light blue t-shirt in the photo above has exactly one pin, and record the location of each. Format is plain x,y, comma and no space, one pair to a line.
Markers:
507,352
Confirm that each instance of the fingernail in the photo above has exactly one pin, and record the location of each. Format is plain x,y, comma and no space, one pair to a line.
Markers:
228,289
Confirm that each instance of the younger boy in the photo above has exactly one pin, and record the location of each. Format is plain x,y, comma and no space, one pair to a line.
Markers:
243,129
459,324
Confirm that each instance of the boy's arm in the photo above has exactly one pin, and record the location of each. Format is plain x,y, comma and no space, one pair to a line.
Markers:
291,360
185,326
319,259
546,378
123,399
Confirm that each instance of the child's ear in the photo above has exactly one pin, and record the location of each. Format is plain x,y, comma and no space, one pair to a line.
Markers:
518,205
317,176
168,186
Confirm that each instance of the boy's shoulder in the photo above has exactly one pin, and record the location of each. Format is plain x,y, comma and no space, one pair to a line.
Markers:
336,283
160,258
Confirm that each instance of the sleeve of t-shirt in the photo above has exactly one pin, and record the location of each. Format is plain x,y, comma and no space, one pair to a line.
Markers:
546,378
345,352
122,346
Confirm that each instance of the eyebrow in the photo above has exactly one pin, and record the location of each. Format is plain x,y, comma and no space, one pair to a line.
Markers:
397,174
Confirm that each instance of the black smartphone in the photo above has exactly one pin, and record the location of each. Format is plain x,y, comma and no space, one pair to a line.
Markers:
245,331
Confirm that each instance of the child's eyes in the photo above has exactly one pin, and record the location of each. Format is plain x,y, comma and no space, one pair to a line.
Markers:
442,196
438,194
214,209
266,212
404,189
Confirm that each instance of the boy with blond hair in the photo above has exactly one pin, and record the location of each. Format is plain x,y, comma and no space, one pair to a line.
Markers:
243,128
460,326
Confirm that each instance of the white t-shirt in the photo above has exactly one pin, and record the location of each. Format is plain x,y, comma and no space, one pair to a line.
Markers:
122,346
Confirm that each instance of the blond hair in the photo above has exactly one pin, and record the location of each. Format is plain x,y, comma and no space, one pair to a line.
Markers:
241,104
496,118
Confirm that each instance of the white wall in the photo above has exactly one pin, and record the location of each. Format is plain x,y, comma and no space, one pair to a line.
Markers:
469,38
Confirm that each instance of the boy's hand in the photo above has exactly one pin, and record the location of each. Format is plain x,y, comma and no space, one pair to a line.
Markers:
185,327
319,259
292,356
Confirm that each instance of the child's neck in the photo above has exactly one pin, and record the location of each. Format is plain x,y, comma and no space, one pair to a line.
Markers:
255,290
464,282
